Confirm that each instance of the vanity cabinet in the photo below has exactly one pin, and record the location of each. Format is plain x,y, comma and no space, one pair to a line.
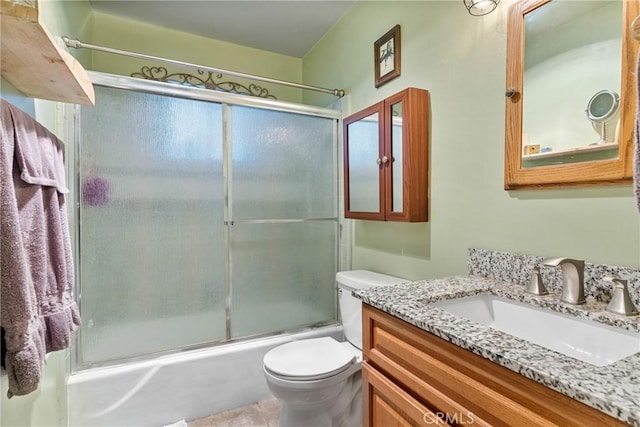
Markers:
411,378
386,157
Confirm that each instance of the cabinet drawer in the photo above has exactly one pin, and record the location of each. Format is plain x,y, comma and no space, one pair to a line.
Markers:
454,381
389,405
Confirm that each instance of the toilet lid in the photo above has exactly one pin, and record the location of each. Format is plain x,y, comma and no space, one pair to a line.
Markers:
309,359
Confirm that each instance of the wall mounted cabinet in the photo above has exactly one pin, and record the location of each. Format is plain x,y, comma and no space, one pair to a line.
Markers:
386,158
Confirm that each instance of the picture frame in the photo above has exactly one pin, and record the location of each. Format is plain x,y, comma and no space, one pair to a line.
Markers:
386,56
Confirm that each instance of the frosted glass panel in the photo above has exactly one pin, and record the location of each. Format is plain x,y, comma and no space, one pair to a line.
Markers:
283,168
152,248
364,172
284,165
283,276
151,241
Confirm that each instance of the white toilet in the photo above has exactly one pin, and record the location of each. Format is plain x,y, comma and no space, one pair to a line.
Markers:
319,380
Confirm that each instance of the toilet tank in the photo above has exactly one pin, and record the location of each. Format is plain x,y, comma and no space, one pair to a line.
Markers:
350,307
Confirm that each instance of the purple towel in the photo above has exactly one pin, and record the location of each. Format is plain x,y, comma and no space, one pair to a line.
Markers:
40,155
37,309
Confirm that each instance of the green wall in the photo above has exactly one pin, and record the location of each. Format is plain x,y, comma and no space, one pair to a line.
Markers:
126,34
461,60
71,18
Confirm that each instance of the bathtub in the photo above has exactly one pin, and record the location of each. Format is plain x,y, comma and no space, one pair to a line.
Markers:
176,387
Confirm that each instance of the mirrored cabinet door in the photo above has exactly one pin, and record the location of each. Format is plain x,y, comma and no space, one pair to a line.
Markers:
399,187
571,93
363,163
407,142
395,148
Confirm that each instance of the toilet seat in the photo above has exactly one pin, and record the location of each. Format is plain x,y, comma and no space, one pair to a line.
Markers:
309,359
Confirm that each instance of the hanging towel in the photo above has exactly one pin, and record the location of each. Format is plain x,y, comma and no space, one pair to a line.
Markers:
37,310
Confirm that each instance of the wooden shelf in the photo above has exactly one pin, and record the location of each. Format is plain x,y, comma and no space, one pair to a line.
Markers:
33,62
572,151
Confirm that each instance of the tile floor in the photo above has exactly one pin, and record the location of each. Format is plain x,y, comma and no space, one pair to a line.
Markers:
260,414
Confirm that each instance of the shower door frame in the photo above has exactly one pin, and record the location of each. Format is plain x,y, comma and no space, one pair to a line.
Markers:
226,100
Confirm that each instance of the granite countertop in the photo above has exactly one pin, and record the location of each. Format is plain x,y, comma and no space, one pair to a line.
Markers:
612,389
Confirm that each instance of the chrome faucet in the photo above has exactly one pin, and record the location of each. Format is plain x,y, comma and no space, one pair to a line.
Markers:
572,278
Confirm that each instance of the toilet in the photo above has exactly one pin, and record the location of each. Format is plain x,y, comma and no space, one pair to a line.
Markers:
318,380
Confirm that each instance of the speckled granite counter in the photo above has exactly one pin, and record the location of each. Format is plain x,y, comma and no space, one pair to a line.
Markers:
613,389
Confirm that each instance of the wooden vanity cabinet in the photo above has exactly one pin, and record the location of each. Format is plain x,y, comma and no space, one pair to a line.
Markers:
386,158
413,378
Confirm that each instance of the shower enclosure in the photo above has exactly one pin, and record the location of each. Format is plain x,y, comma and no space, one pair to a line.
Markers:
204,217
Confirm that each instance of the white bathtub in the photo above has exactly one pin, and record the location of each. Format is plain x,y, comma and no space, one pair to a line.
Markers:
176,387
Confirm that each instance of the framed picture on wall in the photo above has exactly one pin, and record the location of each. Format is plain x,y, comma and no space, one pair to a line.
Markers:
386,56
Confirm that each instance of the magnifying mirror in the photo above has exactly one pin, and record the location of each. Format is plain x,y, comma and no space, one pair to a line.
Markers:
601,109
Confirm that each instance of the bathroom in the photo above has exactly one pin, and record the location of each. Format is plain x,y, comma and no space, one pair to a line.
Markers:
461,60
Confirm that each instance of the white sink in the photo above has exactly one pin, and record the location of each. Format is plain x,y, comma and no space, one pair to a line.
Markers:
591,342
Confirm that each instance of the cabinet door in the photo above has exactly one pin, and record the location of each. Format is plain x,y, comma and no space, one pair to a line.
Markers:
393,168
363,152
387,405
406,146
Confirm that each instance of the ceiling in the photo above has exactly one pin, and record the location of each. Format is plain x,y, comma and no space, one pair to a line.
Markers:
289,27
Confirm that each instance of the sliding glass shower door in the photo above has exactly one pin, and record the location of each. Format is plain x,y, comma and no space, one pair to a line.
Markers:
283,211
151,218
201,222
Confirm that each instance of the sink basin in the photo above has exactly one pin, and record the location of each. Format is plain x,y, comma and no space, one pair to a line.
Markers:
591,342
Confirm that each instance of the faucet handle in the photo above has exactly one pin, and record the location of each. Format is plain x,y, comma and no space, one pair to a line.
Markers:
621,300
536,285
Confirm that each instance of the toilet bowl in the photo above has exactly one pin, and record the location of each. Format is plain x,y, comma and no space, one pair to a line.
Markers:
319,380
318,387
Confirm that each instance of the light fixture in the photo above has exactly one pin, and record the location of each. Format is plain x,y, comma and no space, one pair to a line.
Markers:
480,7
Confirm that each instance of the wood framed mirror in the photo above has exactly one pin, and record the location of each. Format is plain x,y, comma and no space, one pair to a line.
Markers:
550,140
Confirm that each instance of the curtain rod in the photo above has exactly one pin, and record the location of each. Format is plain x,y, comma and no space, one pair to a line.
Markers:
77,44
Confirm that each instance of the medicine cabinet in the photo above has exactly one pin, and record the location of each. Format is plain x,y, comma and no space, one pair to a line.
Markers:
386,157
561,58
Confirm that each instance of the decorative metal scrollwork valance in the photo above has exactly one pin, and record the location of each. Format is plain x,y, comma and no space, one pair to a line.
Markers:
202,80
